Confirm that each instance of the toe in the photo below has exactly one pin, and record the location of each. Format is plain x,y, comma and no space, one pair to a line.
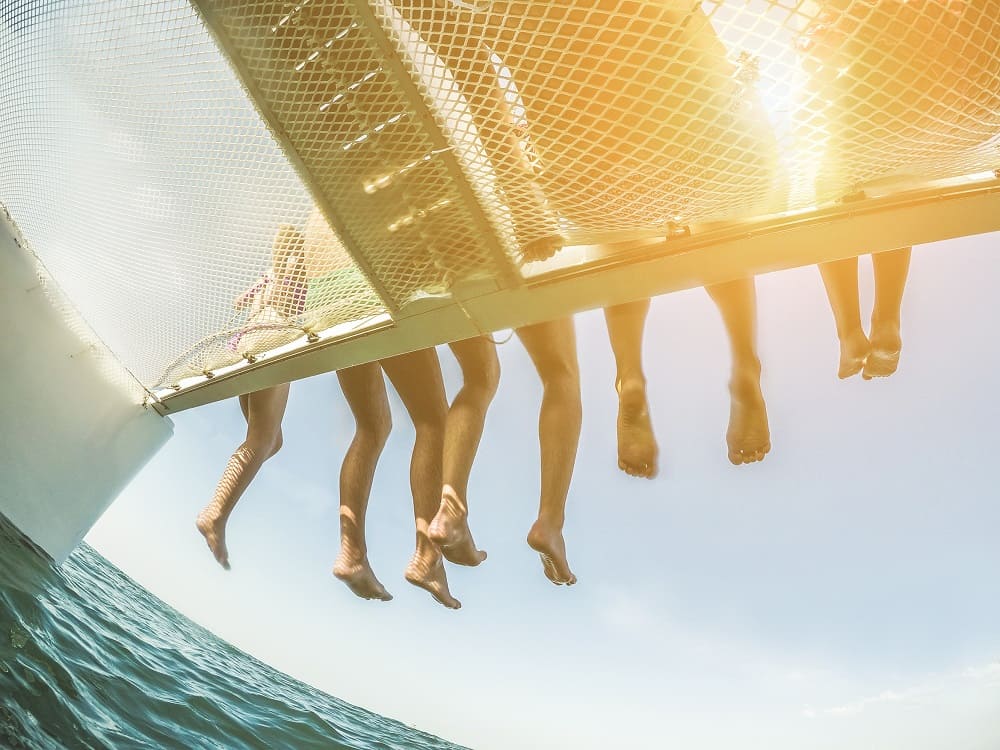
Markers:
549,569
850,370
564,575
445,598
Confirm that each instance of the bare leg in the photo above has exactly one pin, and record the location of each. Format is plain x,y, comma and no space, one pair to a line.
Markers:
364,390
466,419
417,379
637,449
840,277
263,411
552,347
890,268
748,436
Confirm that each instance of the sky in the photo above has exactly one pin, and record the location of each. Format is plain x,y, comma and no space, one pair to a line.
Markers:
843,593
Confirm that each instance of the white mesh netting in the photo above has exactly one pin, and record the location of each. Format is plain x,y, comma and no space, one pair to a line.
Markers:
444,140
141,174
626,114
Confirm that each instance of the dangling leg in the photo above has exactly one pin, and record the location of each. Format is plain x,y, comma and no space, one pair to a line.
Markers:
637,449
417,379
890,268
748,436
263,411
552,348
364,390
466,419
840,277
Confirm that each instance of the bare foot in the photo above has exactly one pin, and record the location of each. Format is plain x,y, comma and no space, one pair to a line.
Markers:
450,531
214,531
542,248
548,542
357,573
748,436
853,351
884,357
426,570
637,449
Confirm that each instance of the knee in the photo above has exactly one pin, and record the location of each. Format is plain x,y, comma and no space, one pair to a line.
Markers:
431,419
277,443
483,383
264,445
374,430
562,376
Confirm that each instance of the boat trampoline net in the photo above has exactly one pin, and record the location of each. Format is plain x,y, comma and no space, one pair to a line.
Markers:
210,180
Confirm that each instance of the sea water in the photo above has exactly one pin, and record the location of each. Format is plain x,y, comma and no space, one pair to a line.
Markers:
90,659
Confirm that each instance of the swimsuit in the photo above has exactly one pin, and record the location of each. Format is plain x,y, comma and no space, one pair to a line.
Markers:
269,317
343,285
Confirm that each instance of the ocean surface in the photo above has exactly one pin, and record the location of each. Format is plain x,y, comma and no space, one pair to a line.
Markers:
89,659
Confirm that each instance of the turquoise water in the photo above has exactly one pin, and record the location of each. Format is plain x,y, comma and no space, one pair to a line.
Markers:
89,659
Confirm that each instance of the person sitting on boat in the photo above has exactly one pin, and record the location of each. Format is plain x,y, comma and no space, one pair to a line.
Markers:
445,444
905,87
474,41
417,379
611,182
477,358
281,295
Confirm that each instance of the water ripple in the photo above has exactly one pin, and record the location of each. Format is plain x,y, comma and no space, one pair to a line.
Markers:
90,660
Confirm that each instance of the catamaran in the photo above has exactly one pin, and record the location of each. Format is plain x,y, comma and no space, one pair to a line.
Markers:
152,150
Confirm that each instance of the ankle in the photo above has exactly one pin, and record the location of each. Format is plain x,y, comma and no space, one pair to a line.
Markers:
352,549
549,522
848,332
452,500
853,333
212,516
885,323
425,549
746,370
630,381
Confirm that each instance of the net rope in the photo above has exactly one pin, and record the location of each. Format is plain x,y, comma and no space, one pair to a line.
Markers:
210,181
141,174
